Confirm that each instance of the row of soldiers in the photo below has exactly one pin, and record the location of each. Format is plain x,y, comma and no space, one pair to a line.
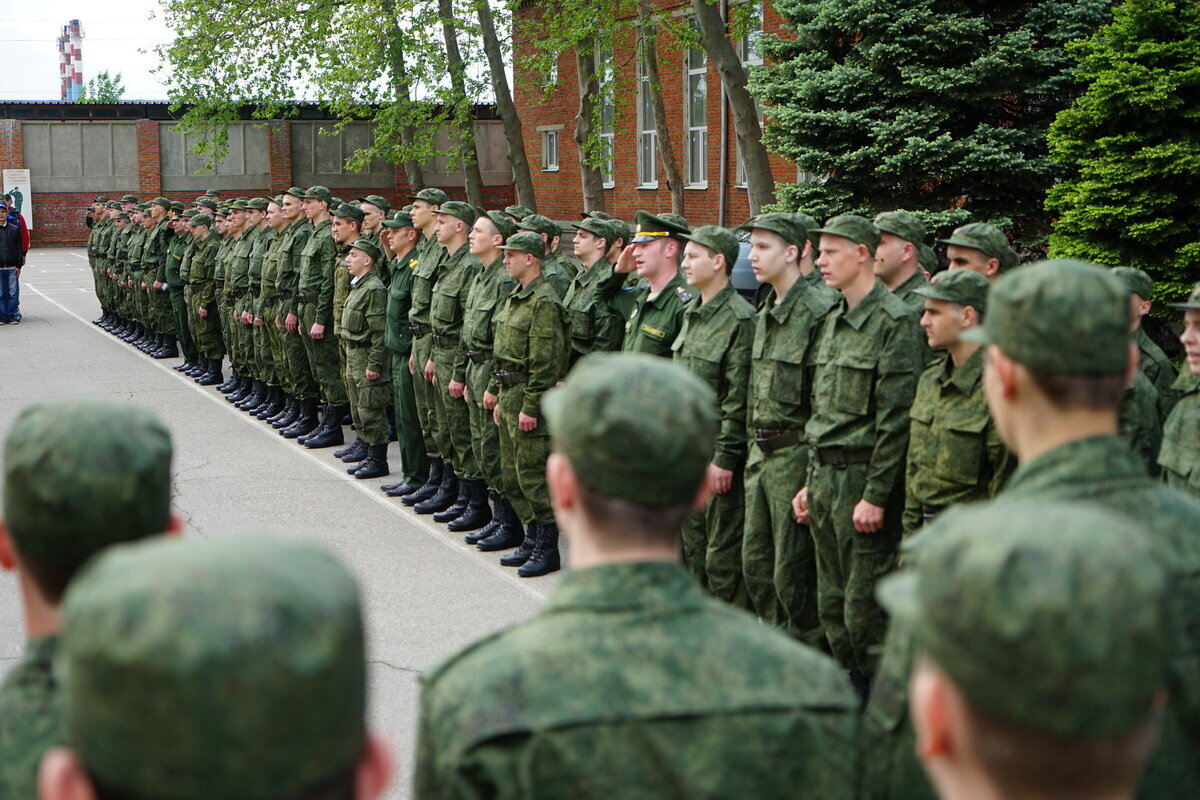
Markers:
851,402
1043,644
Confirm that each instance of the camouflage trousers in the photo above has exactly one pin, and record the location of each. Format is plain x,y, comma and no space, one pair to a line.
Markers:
453,420
712,545
423,390
272,338
208,330
162,310
523,461
485,434
184,332
778,559
223,319
413,459
369,400
849,564
323,357
300,374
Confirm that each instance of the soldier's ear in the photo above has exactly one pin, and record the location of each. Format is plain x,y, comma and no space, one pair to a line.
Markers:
930,704
562,482
62,776
375,769
992,269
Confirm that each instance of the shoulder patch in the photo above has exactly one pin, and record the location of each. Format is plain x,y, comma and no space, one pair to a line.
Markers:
683,294
412,262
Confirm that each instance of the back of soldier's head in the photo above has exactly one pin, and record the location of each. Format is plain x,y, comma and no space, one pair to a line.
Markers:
639,433
224,667
1041,634
80,475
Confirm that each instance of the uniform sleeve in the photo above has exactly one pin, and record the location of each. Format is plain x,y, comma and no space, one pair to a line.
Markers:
547,352
328,261
731,440
899,366
376,310
910,519
458,358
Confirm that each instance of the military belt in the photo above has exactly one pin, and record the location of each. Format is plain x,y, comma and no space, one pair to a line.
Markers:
356,344
771,440
479,356
510,379
269,302
445,341
841,457
929,512
253,292
419,329
306,298
285,295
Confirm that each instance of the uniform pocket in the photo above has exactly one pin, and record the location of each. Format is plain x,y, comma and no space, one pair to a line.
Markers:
853,382
583,323
960,451
354,320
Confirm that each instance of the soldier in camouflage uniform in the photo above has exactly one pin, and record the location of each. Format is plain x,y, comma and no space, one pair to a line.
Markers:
1180,454
253,645
999,701
558,271
653,309
980,247
302,418
202,280
158,303
368,367
868,356
257,351
265,290
778,560
174,281
1056,409
243,220
1153,362
532,350
346,228
954,452
714,344
898,256
116,461
631,682
593,325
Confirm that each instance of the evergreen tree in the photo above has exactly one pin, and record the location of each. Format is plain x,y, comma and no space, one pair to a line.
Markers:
1132,141
934,106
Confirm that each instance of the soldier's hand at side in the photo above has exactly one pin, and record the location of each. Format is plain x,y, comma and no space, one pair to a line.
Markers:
800,506
496,415
626,262
292,323
491,402
868,518
719,480
526,422
317,332
202,312
258,322
429,369
370,375
411,366
158,286
457,389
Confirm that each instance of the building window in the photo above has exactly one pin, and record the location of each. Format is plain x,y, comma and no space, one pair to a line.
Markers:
550,149
750,51
550,77
695,114
607,129
647,132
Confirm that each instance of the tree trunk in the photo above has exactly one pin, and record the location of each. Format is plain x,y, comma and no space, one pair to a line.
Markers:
395,56
666,151
468,155
715,39
589,91
522,178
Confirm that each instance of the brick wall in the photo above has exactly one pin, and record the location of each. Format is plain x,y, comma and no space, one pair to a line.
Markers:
560,194
148,160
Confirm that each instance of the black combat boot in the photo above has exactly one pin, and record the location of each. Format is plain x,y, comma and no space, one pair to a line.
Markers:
169,347
258,390
475,537
233,383
444,497
305,422
375,465
477,514
213,376
545,558
357,451
508,535
322,416
429,488
258,400
458,506
289,415
272,404
329,436
286,403
244,390
519,556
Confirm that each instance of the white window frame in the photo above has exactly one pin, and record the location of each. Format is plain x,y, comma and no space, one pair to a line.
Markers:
551,140
695,136
647,133
608,134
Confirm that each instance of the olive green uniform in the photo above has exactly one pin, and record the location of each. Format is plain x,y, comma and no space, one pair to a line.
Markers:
868,359
651,322
202,278
1159,369
594,326
398,340
154,259
237,289
173,277
266,308
907,292
364,320
1180,453
1139,421
287,277
30,718
632,683
454,278
314,304
714,344
430,253
258,345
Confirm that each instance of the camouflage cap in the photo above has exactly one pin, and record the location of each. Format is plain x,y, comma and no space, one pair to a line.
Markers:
348,211
540,224
859,230
129,198
595,215
376,200
596,226
1032,311
161,201
652,227
928,259
143,207
370,248
238,205
435,197
962,286
1136,281
459,210
201,219
719,240
176,206
518,212
1047,615
792,227
213,193
114,205
906,225
188,213
1193,301
257,203
987,239
122,217
399,219
207,202
634,427
224,667
80,475
318,193
526,242
101,199
620,229
296,192
506,226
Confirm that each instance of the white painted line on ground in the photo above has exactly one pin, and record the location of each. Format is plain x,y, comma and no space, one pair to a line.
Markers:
428,528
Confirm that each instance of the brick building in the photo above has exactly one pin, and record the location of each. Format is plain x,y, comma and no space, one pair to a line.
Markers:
702,131
75,152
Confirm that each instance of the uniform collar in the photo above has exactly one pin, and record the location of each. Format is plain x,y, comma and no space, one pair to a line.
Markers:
525,291
966,376
671,288
912,282
615,587
1096,456
701,310
857,316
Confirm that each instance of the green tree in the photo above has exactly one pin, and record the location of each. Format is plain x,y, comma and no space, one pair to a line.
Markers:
935,106
1132,144
104,88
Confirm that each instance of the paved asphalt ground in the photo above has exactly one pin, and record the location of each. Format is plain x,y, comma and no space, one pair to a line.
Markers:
426,593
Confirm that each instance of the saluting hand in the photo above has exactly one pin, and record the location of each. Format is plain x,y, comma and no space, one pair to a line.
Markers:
626,262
